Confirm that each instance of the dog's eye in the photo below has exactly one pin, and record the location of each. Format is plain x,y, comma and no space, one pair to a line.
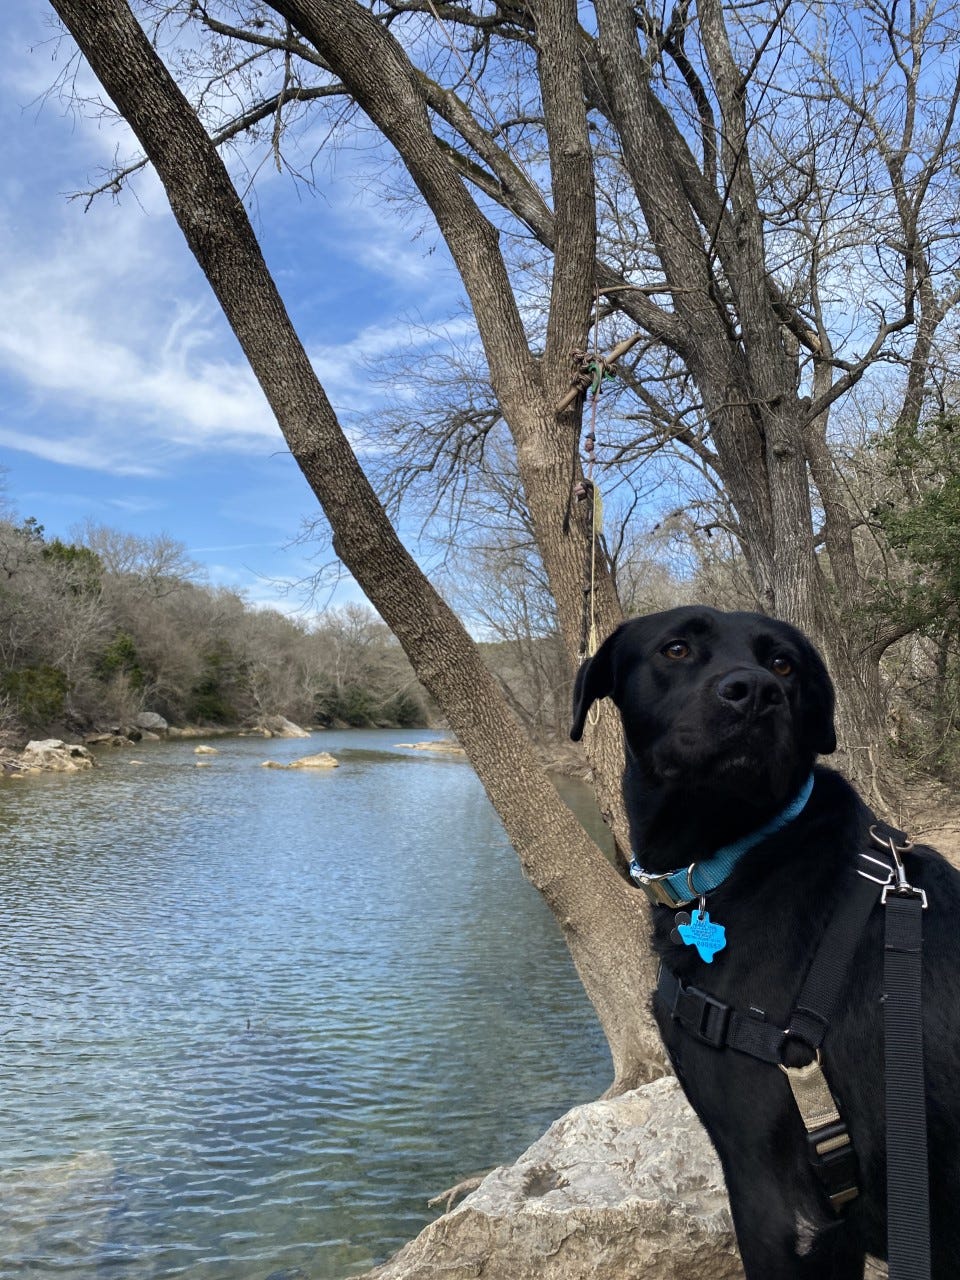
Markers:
781,666
676,649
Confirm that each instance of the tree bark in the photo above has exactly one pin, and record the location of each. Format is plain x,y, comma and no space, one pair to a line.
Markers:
601,917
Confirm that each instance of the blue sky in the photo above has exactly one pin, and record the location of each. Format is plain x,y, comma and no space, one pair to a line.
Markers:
124,398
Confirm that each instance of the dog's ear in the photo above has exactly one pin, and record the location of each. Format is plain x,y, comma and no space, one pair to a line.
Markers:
819,702
594,680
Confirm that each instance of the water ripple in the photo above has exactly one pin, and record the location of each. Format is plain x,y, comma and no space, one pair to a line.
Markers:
252,1019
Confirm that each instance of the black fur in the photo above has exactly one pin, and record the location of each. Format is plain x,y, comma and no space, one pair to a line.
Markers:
719,738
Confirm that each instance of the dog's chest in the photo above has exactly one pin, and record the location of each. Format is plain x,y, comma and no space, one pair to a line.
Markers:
768,947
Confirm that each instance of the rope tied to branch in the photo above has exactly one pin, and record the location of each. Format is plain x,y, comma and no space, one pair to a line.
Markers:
596,369
593,369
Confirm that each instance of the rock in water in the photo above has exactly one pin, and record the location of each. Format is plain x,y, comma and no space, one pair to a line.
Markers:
50,755
322,760
150,720
281,727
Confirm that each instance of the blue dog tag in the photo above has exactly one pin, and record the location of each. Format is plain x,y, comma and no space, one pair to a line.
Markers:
702,933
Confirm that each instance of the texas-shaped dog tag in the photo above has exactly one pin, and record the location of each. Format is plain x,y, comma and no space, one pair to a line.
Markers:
702,933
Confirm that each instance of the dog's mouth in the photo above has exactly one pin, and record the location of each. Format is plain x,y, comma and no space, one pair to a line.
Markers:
745,757
734,763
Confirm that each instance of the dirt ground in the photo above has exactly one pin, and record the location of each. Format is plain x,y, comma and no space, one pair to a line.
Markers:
930,814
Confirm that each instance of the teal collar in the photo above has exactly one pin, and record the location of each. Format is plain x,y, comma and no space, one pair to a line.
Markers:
675,888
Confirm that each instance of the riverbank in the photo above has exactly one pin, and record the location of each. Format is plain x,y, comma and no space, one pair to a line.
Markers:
561,759
55,750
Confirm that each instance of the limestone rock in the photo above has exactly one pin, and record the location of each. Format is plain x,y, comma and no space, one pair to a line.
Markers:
50,755
281,727
203,750
109,739
152,721
322,760
623,1187
197,731
443,746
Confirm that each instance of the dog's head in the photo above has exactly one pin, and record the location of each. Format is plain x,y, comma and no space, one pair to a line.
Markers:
730,706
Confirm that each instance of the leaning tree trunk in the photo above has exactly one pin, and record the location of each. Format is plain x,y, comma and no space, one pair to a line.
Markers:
603,921
382,80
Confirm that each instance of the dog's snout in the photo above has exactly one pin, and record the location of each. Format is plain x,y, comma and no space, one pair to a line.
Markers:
750,691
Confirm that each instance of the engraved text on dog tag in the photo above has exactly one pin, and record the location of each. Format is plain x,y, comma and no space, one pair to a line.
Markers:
702,933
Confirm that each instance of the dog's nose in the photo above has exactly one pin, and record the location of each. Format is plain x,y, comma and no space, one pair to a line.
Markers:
750,691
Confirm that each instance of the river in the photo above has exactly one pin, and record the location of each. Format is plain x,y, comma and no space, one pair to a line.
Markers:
251,1019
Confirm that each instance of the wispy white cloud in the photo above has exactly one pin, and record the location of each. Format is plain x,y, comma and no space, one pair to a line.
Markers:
120,356
234,546
85,453
287,594
132,505
106,320
347,369
90,322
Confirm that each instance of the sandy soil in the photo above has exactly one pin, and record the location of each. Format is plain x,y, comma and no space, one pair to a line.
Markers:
930,814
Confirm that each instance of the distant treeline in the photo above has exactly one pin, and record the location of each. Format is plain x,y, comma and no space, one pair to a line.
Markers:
95,630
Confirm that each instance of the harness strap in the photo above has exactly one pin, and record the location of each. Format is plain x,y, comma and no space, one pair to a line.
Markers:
713,1022
716,1023
710,1020
908,1201
830,967
828,1142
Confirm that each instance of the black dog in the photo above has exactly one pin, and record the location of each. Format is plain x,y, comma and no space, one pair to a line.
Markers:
723,717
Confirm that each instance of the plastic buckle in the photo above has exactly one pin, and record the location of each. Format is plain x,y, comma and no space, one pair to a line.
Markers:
831,1153
700,1028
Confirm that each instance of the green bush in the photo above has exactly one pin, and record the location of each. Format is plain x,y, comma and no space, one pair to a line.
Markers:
357,707
120,657
39,694
83,566
212,697
405,711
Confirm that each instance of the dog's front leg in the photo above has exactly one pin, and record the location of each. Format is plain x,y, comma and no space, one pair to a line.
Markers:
781,1237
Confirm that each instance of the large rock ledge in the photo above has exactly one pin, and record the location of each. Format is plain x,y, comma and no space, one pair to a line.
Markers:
623,1187
47,755
618,1189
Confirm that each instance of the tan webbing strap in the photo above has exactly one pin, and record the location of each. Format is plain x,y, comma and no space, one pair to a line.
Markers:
826,1133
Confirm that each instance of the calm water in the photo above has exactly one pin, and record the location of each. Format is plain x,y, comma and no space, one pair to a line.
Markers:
250,1019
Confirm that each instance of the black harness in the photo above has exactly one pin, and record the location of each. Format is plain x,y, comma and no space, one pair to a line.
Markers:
829,1145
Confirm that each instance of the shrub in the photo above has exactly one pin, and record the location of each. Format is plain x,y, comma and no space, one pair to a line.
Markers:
38,694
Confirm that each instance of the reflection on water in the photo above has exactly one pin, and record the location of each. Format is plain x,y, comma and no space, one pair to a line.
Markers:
252,1019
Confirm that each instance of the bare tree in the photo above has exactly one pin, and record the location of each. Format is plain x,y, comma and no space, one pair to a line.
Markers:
763,221
152,566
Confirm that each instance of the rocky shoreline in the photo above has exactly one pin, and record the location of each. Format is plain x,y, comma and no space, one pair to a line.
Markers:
54,755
